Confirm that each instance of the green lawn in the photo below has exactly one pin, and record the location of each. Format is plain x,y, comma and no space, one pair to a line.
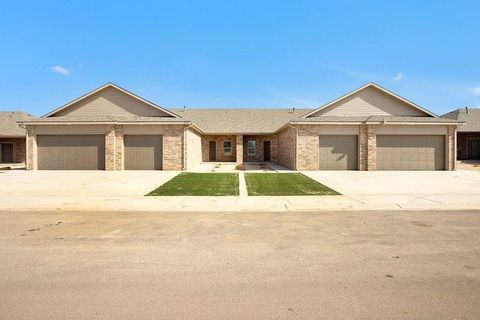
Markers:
199,184
284,184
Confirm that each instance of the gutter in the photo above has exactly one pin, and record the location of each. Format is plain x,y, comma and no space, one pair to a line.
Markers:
101,122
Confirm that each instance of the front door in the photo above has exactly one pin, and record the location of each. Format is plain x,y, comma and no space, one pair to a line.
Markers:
212,151
266,150
7,153
474,149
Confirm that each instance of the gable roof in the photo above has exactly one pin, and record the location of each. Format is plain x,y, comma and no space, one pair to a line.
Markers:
245,121
470,117
8,123
110,85
374,85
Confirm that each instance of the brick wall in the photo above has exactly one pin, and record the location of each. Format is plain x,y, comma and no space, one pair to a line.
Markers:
31,148
462,143
221,156
308,145
19,148
286,148
259,148
451,156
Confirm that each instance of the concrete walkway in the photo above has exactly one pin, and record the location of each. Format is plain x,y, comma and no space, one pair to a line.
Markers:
124,191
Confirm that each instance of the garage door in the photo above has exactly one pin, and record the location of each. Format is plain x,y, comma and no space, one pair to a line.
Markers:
71,152
338,152
143,152
410,152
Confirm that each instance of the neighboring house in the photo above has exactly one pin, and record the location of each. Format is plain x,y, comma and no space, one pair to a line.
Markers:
370,128
468,133
12,136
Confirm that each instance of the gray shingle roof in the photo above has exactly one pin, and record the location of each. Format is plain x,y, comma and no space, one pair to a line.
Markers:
8,123
247,121
471,119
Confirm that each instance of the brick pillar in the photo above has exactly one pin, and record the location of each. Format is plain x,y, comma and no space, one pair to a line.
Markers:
362,151
110,148
119,153
451,148
371,147
32,163
239,142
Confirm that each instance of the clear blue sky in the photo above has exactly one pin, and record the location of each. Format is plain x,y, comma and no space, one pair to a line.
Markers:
239,53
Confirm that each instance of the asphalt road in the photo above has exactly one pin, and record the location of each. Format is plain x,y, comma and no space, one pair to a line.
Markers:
359,265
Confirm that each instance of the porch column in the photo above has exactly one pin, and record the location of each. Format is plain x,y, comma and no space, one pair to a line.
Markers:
239,148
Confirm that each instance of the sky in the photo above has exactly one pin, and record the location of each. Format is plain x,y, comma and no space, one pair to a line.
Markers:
239,53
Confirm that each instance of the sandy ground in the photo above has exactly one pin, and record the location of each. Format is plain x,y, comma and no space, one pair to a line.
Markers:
349,265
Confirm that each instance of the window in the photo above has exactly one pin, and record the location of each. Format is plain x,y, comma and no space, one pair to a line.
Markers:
251,148
227,148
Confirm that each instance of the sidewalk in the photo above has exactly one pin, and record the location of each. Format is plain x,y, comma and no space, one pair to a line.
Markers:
242,204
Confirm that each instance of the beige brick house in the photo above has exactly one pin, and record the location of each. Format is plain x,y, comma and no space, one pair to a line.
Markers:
370,128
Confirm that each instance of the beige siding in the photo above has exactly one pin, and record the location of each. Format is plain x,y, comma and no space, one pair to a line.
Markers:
286,153
70,129
193,145
111,101
410,129
367,102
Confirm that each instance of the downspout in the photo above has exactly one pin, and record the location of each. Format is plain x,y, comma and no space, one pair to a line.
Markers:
296,145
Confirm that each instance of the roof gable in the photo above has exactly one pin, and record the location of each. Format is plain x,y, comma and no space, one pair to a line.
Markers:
368,100
111,99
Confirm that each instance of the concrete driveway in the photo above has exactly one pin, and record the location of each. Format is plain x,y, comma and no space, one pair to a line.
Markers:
101,190
406,189
328,265
94,184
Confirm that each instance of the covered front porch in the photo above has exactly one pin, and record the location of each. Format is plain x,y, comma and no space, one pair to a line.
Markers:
239,148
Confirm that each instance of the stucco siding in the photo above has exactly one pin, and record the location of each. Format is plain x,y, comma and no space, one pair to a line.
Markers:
367,102
111,101
193,146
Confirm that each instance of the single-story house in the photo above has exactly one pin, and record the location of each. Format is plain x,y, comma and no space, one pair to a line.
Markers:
468,132
12,137
369,128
